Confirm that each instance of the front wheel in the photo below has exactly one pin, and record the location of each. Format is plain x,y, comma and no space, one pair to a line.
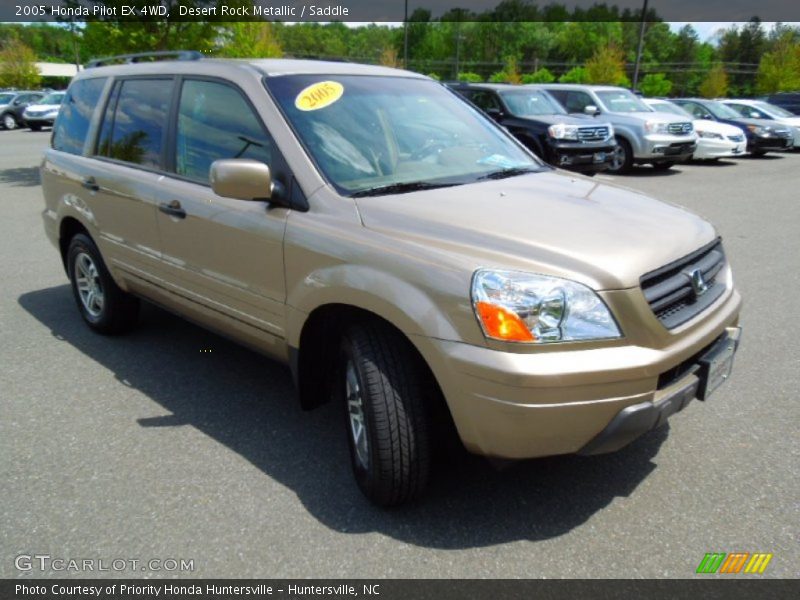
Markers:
387,394
623,157
102,304
9,122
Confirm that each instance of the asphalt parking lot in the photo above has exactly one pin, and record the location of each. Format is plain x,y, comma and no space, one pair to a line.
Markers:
172,443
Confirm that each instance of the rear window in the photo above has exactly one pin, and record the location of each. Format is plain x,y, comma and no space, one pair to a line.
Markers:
73,121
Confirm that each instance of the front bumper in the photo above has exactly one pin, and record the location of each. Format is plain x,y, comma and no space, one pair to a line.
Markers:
557,400
586,158
637,419
661,148
766,144
717,148
43,121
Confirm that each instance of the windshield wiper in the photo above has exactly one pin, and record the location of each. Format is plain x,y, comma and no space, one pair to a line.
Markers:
510,172
400,188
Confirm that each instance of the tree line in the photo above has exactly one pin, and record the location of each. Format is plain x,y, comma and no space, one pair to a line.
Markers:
516,41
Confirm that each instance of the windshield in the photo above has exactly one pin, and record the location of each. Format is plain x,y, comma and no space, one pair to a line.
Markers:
669,107
6,98
622,101
719,110
54,98
368,133
530,103
771,109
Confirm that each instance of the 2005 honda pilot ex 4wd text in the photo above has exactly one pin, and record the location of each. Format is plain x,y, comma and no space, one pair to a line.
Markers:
407,257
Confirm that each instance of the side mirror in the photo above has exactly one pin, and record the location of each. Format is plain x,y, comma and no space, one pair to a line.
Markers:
17,102
241,178
591,110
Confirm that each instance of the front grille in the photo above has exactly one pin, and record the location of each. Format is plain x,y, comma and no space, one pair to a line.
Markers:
683,289
736,138
680,128
592,134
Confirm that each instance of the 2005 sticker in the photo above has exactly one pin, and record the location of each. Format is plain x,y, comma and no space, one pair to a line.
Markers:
319,95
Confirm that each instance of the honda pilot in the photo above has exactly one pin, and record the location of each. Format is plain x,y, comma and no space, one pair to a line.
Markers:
404,255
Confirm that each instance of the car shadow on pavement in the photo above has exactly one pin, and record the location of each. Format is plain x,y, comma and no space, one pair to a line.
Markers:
246,402
648,171
20,176
699,162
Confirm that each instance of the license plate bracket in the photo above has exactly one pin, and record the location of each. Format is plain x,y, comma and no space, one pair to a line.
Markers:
716,366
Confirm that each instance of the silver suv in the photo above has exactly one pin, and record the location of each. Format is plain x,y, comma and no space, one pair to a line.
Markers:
643,135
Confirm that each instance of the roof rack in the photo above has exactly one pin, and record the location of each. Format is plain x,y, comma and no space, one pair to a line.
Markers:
135,58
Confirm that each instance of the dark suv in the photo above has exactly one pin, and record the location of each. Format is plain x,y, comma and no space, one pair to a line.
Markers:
787,100
13,104
537,120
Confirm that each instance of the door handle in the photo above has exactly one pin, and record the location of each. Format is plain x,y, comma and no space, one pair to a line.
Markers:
172,209
90,184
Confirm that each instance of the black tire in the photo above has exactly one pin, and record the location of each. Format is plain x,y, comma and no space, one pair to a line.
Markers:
119,311
35,126
9,121
623,160
396,394
664,166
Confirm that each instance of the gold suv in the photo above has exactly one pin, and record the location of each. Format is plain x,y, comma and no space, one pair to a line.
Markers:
404,255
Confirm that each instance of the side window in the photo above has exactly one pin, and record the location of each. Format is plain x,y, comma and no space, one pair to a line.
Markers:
698,111
77,108
485,100
577,101
739,108
134,131
214,122
559,95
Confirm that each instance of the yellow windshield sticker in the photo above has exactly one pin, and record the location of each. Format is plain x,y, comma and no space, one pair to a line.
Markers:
319,95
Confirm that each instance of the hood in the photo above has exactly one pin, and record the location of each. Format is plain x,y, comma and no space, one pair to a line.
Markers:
717,127
42,108
606,237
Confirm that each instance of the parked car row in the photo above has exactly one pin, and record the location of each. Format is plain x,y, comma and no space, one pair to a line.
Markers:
29,108
591,128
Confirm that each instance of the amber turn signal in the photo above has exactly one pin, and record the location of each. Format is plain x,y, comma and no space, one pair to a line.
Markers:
503,324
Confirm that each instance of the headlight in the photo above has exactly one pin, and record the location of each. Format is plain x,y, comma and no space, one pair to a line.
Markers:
610,130
710,135
51,113
523,307
560,131
656,127
759,130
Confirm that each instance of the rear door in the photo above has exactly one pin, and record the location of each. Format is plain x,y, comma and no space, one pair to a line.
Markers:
127,168
223,253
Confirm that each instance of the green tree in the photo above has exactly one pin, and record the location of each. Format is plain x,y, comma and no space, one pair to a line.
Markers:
715,85
575,75
607,66
543,75
509,74
779,70
249,39
655,84
18,66
469,77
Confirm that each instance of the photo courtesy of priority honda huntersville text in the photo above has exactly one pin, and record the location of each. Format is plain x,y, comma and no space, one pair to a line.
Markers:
406,256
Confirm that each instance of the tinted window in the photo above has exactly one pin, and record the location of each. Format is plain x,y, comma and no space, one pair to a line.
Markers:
530,103
696,110
576,101
622,101
136,133
214,122
485,100
76,113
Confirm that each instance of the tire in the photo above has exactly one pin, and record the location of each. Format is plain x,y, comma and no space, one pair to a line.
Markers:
663,166
387,394
102,304
35,126
9,122
623,159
